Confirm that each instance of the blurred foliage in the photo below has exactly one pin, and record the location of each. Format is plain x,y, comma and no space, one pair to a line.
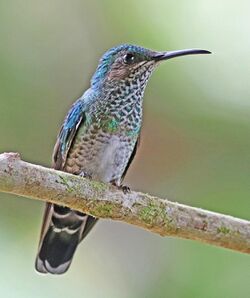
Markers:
195,145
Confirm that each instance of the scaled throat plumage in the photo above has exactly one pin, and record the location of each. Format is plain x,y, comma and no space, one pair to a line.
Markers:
98,139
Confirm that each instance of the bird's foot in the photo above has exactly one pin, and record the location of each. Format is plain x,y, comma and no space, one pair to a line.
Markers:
124,188
85,175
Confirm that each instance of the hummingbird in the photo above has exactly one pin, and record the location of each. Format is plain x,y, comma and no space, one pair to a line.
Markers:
98,140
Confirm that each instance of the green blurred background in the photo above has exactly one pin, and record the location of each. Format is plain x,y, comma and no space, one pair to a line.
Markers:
195,140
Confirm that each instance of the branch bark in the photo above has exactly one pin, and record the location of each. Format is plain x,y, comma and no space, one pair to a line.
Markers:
157,215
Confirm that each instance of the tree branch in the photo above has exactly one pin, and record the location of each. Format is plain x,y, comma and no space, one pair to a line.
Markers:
105,201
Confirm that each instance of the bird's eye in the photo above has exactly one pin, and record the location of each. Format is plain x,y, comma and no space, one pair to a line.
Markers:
129,58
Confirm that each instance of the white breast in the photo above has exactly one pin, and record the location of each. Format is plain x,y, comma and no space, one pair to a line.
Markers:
110,160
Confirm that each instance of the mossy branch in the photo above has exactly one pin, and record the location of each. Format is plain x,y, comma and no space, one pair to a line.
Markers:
157,215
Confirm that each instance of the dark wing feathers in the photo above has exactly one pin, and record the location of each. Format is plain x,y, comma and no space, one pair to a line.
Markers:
131,157
75,117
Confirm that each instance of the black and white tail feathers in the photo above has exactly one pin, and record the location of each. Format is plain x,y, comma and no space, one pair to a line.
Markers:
62,231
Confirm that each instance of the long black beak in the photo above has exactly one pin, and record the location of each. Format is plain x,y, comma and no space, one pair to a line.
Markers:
172,54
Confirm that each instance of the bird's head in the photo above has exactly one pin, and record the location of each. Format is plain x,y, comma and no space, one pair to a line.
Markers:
132,63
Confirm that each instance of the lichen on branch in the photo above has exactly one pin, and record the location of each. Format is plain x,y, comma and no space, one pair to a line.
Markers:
157,215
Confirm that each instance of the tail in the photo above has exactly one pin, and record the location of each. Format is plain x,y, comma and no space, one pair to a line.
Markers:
62,231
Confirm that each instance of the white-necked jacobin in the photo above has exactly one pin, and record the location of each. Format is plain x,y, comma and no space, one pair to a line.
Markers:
98,139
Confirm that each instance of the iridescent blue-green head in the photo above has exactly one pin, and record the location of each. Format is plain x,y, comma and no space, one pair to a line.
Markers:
132,64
